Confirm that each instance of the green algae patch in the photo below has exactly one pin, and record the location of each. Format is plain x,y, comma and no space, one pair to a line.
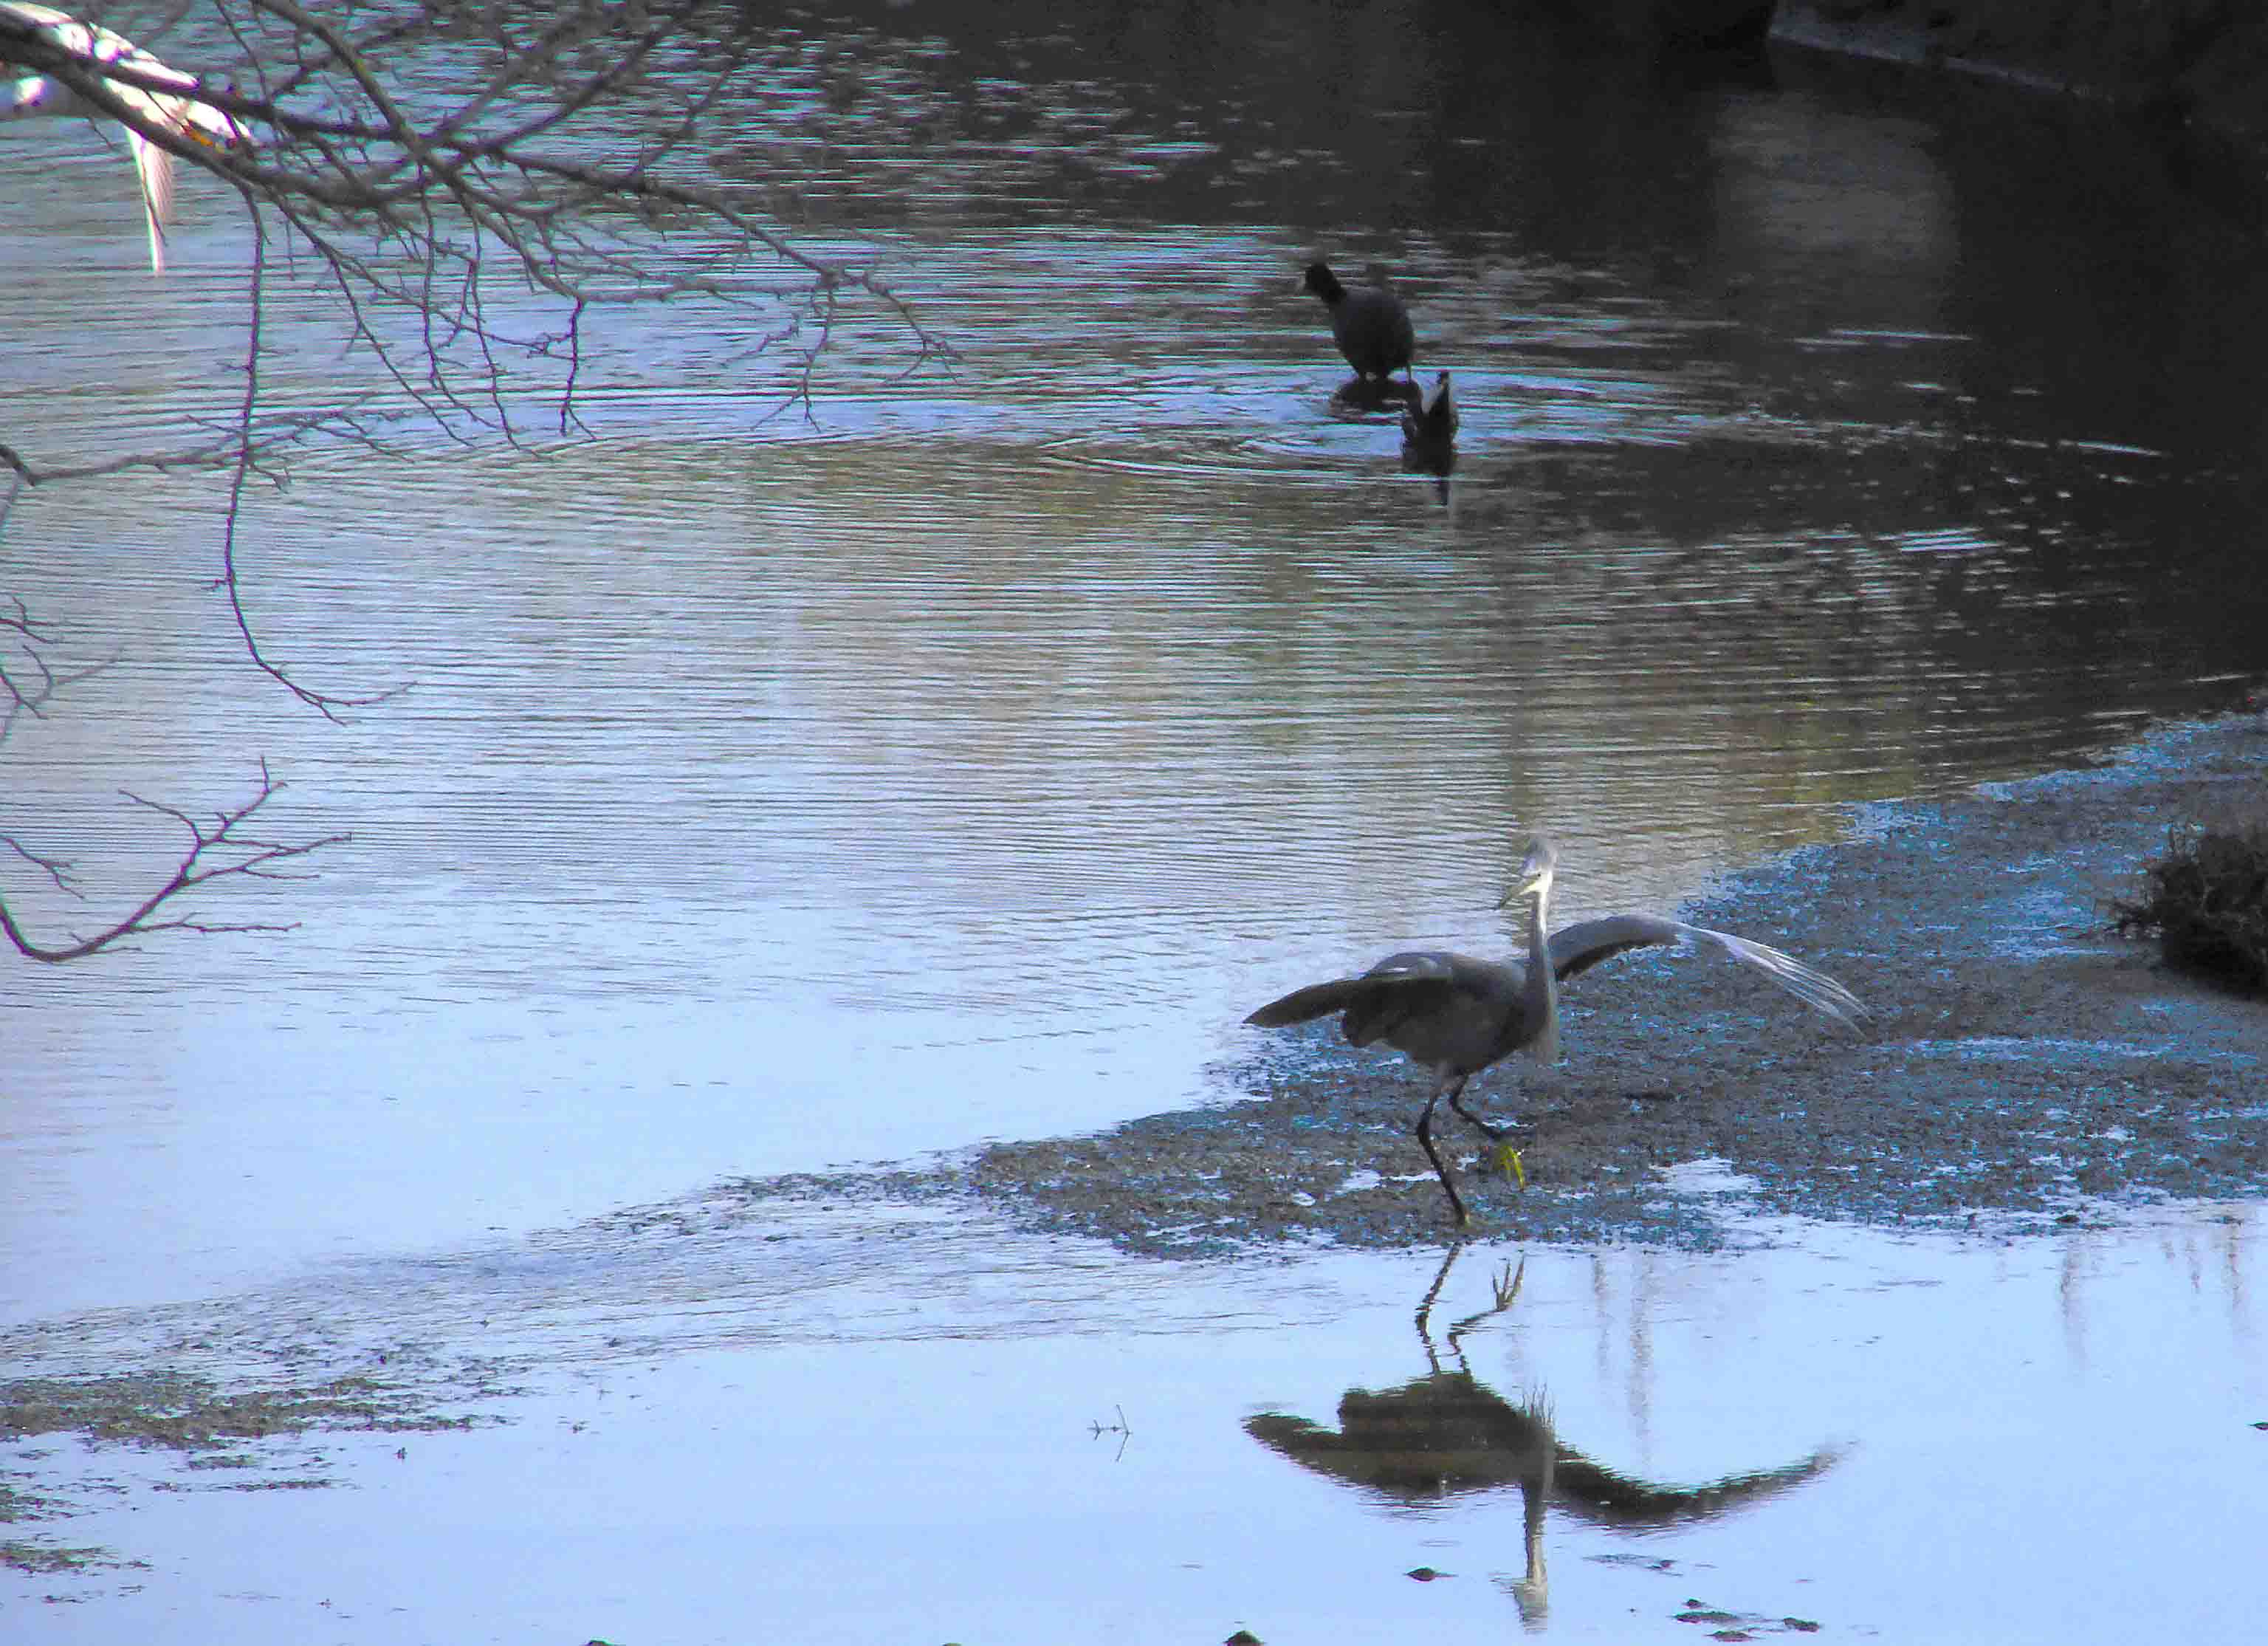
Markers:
41,1559
45,1558
241,1434
185,1414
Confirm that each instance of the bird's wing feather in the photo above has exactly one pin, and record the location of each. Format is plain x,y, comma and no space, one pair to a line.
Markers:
1422,970
1397,988
1414,984
1317,1000
154,166
1577,949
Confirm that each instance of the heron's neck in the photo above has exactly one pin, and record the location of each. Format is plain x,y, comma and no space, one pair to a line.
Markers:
1540,989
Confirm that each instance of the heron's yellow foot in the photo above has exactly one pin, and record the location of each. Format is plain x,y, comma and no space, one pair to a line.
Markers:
1508,1163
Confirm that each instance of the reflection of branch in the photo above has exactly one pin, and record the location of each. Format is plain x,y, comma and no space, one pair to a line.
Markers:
251,439
1121,1429
254,859
18,695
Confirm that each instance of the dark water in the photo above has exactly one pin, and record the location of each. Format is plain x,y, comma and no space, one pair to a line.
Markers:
966,758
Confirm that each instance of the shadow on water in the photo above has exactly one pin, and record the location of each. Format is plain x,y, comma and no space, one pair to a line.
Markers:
1434,458
1365,397
1446,1435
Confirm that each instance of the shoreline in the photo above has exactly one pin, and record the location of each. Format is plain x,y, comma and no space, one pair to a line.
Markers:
2200,79
2023,1066
2024,1071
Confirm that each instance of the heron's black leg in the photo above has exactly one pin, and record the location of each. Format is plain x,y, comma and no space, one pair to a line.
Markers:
1425,1139
1494,1133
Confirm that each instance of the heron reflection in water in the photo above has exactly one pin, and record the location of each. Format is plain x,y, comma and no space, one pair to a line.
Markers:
1458,1016
1447,1434
25,94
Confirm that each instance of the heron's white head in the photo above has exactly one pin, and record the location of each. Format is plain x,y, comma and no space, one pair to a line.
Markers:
1536,872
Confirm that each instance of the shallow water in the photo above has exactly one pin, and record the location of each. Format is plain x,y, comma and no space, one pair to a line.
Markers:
859,1429
965,760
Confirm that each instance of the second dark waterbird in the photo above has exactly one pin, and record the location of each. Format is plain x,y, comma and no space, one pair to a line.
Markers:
1432,417
1458,1016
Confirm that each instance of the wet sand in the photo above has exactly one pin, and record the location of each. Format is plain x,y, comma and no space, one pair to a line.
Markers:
2022,1063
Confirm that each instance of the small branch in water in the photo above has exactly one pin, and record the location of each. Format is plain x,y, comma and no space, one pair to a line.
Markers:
1099,1428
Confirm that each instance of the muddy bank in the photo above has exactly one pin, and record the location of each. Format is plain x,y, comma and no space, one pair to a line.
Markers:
2022,1064
2023,1069
2198,64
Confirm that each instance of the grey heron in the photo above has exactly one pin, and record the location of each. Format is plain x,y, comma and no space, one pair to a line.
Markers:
1457,1016
23,94
1370,326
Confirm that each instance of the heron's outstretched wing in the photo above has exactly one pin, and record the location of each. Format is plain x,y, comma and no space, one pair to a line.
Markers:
1317,1000
1577,949
1389,991
1419,983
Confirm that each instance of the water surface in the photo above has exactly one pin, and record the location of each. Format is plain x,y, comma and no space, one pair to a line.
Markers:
756,790
883,1427
964,758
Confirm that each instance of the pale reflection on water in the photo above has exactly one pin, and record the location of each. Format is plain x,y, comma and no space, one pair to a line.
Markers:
965,760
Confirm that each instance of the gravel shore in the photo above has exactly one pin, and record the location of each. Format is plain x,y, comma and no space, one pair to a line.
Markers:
2023,1066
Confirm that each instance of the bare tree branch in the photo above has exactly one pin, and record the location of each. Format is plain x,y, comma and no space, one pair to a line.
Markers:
430,163
29,680
218,850
475,189
19,694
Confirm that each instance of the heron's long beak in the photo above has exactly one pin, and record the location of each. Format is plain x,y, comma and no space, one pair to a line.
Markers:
1531,882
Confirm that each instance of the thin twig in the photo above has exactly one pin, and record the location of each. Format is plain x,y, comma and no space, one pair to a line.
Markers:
255,860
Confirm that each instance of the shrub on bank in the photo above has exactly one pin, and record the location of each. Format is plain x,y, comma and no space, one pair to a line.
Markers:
2206,900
